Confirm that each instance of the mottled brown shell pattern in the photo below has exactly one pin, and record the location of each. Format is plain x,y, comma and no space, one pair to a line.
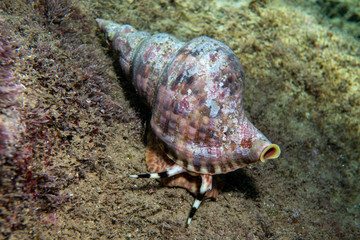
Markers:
198,108
195,91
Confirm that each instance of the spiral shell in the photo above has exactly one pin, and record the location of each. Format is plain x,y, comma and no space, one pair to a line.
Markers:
194,90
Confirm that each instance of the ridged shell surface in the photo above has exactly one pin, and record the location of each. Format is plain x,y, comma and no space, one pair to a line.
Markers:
195,92
198,108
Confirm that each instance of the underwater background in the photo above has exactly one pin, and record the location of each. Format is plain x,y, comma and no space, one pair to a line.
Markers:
72,128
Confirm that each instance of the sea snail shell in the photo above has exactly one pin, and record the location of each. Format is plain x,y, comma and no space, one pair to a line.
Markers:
195,92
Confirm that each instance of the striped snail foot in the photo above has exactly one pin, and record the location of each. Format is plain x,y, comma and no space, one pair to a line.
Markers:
161,167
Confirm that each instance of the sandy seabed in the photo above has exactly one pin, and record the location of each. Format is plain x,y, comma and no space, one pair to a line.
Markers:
72,128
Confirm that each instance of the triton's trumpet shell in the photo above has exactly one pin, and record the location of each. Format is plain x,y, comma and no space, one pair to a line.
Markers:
194,90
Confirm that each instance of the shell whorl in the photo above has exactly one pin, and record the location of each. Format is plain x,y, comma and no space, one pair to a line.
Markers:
195,91
143,57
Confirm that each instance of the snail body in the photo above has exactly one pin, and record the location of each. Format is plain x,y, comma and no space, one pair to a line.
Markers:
194,90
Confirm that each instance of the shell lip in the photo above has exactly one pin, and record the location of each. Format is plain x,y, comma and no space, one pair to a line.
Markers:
271,151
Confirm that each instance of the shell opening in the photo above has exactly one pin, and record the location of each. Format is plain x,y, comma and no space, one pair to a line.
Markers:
270,152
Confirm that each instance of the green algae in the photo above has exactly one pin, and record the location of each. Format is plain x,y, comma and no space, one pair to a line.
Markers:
302,91
342,14
303,84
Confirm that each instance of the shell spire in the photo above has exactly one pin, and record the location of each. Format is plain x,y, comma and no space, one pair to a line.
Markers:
143,57
195,92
